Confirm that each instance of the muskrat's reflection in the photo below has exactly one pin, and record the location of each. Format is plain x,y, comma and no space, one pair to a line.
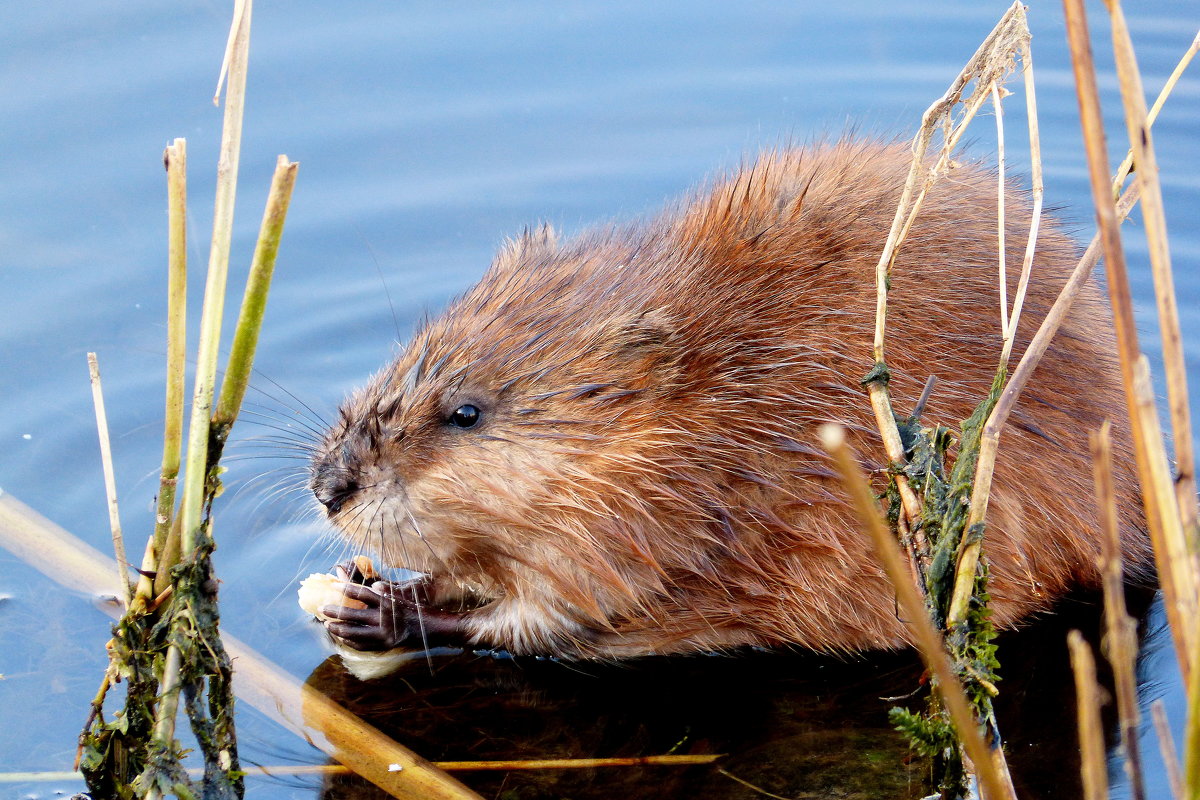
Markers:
796,725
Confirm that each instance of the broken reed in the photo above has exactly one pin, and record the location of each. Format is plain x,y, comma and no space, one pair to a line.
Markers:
932,529
1170,500
167,644
929,640
1175,566
938,510
299,708
1120,629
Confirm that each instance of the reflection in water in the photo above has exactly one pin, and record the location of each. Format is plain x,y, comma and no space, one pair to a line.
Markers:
790,725
796,725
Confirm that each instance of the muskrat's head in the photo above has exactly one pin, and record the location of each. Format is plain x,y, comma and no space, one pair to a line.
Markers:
519,445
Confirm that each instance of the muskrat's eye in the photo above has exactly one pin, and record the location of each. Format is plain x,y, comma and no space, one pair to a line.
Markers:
466,416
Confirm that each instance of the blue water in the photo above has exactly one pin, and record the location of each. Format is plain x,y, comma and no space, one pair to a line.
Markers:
425,134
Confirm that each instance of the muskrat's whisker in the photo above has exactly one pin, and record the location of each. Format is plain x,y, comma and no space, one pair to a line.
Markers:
283,489
285,486
277,456
301,432
361,512
312,416
275,441
284,414
270,406
273,444
281,479
421,537
309,514
416,596
328,540
355,546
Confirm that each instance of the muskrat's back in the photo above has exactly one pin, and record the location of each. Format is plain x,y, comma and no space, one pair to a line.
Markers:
611,440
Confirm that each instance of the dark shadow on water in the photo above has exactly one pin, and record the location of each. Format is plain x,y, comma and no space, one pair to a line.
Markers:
797,725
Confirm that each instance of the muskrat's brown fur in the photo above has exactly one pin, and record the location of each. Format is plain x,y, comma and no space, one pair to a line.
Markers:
645,477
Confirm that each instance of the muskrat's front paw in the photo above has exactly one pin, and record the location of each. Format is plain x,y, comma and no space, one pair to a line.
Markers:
393,614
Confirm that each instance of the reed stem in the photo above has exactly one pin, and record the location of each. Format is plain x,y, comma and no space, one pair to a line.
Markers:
1191,734
1158,496
175,158
214,291
1177,73
1154,218
990,441
196,467
254,302
1006,329
987,68
987,760
1036,191
1120,640
1037,348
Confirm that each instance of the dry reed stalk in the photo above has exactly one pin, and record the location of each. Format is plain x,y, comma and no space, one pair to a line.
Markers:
1162,729
988,67
988,761
1036,192
110,481
989,443
1002,267
579,763
756,789
1120,641
1154,218
240,10
990,439
1177,73
1091,726
1158,493
274,692
1191,733
1171,554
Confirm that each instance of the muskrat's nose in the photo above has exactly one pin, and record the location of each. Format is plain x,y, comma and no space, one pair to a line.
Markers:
333,486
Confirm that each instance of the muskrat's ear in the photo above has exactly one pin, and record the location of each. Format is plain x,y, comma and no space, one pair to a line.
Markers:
646,339
531,245
643,330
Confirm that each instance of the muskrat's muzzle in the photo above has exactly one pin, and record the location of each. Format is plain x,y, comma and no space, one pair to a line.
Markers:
332,484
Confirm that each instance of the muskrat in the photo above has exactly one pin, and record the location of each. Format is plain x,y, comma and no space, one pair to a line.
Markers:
609,443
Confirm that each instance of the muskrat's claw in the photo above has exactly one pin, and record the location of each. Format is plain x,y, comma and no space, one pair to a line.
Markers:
352,570
396,614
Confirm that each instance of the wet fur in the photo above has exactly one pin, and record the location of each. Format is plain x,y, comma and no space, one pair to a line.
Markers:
646,477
